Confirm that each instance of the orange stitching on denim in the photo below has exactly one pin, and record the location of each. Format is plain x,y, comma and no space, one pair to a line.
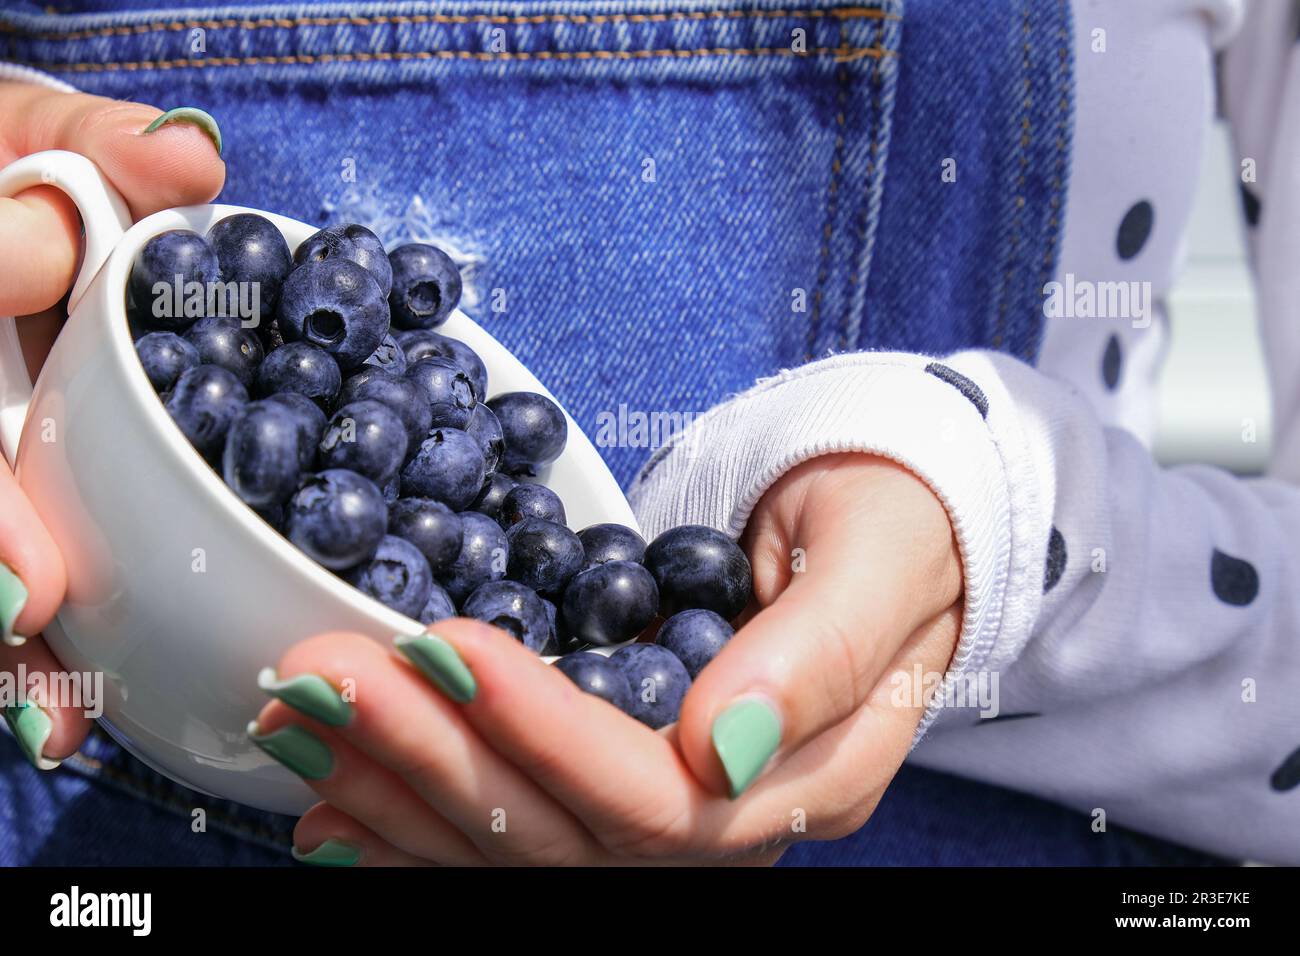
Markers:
841,54
832,202
864,212
842,13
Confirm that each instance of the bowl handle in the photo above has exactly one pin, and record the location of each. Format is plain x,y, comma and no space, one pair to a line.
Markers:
104,218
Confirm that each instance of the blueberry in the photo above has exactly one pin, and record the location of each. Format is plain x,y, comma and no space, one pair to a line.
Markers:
310,420
337,305
439,607
530,501
397,576
431,526
263,455
400,394
426,286
511,607
486,430
338,518
610,603
450,393
695,636
152,284
696,566
203,404
272,515
493,494
534,428
303,368
388,356
164,356
543,555
563,640
392,489
483,556
553,622
221,340
423,343
565,643
658,682
611,542
448,467
135,323
367,437
351,243
251,249
598,675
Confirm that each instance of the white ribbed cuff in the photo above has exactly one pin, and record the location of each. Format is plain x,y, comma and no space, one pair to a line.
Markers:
25,74
884,404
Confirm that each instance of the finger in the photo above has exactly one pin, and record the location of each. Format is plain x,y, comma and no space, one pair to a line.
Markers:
624,782
47,728
174,165
358,786
423,737
43,223
875,546
32,575
326,836
830,786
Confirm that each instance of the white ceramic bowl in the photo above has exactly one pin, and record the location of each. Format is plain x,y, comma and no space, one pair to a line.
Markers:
178,593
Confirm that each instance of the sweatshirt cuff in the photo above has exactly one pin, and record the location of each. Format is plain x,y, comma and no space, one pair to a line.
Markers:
908,408
12,72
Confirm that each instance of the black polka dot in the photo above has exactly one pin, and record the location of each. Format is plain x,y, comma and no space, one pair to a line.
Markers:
1235,580
1134,229
1250,204
1056,558
1111,361
964,385
1000,718
1287,775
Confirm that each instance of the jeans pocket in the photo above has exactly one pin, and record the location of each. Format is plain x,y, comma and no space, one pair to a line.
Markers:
655,203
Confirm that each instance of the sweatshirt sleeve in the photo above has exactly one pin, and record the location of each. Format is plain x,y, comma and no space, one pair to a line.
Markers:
1137,622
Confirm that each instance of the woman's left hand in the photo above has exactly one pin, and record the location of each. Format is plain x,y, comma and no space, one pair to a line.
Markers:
507,762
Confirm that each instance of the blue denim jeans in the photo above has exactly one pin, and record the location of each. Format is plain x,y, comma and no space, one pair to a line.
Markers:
655,203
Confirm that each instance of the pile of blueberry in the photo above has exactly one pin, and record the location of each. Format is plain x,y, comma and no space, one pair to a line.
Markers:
341,417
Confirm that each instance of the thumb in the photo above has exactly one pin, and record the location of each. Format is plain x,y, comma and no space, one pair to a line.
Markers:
153,166
32,582
875,562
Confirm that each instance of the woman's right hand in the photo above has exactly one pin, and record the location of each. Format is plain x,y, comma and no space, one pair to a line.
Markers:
176,164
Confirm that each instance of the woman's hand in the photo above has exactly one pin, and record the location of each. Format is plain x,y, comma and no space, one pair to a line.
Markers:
857,576
40,239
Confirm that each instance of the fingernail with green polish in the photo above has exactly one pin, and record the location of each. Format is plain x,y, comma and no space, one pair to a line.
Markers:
13,598
309,694
190,114
31,727
297,748
438,661
745,736
330,853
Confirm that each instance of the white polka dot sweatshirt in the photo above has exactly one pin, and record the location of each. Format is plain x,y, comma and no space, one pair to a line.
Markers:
1142,623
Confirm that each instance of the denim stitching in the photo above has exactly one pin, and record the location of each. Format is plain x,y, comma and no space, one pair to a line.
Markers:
841,54
578,19
1058,181
828,229
864,213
